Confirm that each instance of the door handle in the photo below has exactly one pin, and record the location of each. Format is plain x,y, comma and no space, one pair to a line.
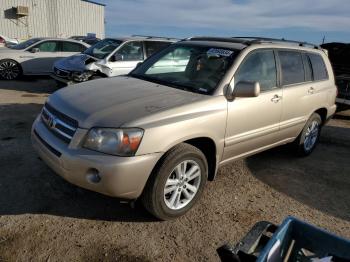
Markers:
276,98
311,90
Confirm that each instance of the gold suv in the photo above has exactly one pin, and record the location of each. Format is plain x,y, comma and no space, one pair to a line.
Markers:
162,131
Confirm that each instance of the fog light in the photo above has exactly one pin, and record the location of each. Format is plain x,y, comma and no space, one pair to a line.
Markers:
93,176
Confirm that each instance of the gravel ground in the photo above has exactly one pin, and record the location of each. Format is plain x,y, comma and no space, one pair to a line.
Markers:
44,218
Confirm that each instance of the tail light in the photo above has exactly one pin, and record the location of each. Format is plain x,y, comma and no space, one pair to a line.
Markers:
2,40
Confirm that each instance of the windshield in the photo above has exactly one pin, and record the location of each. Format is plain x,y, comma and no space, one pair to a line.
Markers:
189,67
103,48
25,44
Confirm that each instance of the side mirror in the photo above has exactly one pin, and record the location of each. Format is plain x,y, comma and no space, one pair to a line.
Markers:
35,50
117,57
246,89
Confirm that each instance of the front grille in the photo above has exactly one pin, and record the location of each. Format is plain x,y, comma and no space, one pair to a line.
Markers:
59,124
53,151
61,73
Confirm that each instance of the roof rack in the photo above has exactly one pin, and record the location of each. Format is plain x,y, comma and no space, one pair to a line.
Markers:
251,40
257,40
218,39
151,36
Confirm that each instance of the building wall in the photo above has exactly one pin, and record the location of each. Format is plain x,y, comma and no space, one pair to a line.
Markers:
52,18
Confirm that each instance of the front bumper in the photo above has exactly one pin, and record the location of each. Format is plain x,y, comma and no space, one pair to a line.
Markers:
123,177
343,101
63,80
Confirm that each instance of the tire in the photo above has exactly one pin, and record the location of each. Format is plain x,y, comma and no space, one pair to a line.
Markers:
154,197
309,136
10,69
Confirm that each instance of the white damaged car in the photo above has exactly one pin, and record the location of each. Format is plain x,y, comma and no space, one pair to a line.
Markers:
36,56
107,58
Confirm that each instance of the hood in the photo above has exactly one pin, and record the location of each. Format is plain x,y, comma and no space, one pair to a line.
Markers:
75,63
112,102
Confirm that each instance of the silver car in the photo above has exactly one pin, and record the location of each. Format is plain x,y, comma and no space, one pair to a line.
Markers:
36,56
163,131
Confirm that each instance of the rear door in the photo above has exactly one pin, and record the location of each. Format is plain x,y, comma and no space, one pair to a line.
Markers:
298,91
70,48
129,55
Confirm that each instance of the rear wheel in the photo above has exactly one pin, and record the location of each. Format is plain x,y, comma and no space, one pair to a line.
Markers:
176,183
10,69
308,138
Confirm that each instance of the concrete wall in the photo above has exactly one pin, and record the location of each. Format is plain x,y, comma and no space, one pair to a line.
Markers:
52,18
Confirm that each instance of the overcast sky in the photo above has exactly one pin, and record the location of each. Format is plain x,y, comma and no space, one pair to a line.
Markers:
307,20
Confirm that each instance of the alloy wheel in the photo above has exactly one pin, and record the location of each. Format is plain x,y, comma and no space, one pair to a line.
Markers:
311,135
9,70
182,184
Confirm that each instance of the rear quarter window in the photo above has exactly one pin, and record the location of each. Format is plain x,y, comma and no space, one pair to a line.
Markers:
307,68
292,67
318,67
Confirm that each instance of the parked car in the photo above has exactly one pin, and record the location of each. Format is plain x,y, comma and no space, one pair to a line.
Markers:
36,56
109,57
343,84
339,55
86,39
7,41
159,135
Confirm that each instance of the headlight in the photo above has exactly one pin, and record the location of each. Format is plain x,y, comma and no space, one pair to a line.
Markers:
120,142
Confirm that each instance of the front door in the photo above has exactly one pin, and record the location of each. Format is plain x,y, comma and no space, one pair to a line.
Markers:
129,55
41,62
253,123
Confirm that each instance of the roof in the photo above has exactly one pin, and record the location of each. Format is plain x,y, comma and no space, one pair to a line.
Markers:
61,39
93,2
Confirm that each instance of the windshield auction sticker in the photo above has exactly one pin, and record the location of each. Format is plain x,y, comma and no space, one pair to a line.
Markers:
219,52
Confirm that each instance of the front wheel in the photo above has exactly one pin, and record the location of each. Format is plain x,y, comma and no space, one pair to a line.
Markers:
308,138
176,183
10,69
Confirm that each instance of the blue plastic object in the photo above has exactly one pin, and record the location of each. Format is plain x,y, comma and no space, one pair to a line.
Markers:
317,240
293,240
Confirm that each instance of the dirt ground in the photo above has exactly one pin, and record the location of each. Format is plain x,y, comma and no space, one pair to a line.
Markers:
44,218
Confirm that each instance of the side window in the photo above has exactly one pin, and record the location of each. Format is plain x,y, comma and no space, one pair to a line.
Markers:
292,67
318,67
153,46
259,66
48,46
72,47
307,68
131,51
